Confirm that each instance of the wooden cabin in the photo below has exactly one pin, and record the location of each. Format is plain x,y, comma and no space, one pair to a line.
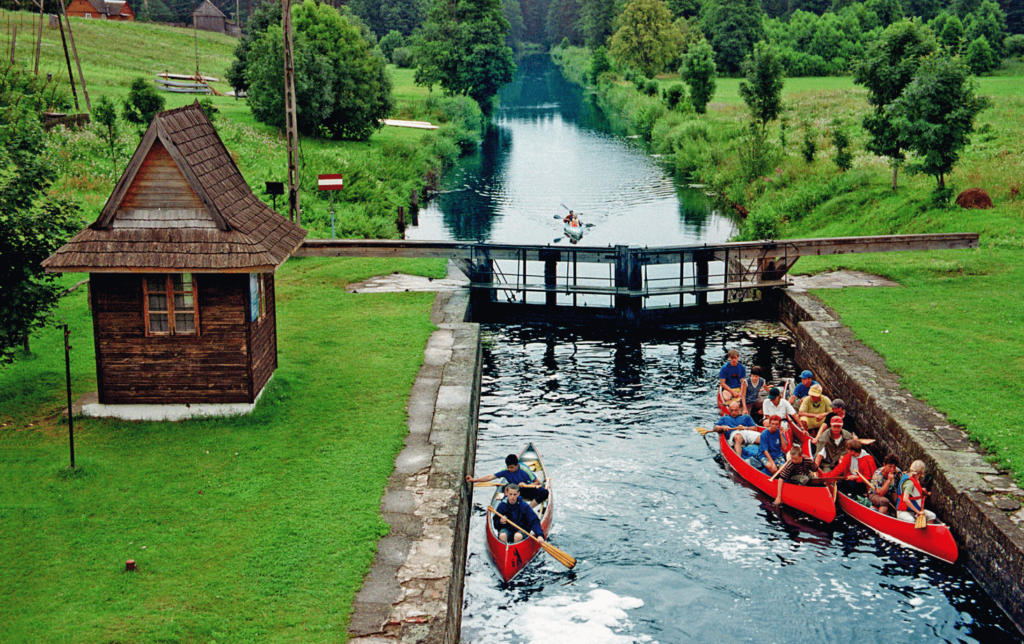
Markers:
101,9
181,266
209,18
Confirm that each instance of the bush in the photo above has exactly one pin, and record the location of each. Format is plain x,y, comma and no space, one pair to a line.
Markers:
651,88
809,147
844,159
389,43
209,109
403,57
599,63
465,140
980,57
763,223
675,95
1014,46
143,102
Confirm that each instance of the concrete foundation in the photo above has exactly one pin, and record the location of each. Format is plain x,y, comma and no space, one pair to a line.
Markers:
981,505
90,406
413,592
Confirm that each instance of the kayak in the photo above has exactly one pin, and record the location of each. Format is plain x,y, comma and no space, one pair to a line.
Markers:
935,540
575,231
815,500
511,558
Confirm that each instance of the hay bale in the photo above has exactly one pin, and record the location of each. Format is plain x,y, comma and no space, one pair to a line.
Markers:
974,198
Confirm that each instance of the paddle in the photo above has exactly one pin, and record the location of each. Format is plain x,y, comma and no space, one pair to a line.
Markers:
500,483
560,556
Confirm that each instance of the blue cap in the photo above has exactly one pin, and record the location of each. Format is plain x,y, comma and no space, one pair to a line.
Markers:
806,374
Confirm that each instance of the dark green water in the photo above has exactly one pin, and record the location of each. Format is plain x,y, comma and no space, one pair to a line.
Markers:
672,546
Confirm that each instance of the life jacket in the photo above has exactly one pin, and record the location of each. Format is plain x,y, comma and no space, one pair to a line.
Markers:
915,500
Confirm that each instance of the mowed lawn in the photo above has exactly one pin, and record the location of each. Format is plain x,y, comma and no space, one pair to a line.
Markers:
252,529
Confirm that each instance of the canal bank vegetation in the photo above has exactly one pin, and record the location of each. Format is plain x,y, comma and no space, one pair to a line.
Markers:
951,331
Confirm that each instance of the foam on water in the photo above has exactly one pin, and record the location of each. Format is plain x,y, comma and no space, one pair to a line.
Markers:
599,617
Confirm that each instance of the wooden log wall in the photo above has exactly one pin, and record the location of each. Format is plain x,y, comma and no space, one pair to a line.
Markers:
264,342
213,367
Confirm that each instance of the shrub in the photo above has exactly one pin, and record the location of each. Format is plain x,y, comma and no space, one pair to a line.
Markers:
143,102
763,223
1014,46
674,95
403,57
599,63
389,43
980,57
844,159
809,147
651,88
209,109
465,140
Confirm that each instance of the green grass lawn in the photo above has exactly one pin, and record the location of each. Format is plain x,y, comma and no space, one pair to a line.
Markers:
258,528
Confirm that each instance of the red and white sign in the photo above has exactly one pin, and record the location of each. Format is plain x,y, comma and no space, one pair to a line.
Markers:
330,182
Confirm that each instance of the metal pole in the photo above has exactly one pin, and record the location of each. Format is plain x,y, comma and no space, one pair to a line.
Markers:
71,416
331,197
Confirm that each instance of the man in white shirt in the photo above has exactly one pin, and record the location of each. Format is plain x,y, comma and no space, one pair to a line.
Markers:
776,405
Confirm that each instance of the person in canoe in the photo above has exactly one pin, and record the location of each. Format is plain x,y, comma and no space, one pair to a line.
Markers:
772,447
839,409
803,389
833,446
776,405
813,410
530,488
854,464
797,471
570,218
739,429
884,483
520,513
752,398
912,495
732,378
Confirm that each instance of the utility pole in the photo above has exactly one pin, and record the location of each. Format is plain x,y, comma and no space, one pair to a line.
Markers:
290,117
74,51
67,58
39,39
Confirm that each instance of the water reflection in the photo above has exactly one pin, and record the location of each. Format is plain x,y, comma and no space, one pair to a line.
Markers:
551,147
672,546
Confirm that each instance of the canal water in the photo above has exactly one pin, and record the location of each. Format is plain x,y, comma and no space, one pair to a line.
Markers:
672,546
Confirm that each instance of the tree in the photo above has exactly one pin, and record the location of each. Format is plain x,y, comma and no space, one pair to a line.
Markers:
886,69
143,102
979,57
989,22
342,89
563,22
732,27
389,43
645,38
516,27
463,50
935,115
684,8
404,16
761,88
952,35
599,63
105,116
699,73
844,158
597,21
33,224
263,17
923,9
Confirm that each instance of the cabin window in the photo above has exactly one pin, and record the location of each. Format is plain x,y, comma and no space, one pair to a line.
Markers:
172,307
257,296
88,15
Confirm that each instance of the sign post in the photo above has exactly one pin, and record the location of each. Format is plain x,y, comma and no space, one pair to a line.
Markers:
330,182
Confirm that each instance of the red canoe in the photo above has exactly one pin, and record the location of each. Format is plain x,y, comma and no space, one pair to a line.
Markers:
512,558
814,500
935,540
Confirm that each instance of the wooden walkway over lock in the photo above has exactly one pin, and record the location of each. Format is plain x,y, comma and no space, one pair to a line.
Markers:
660,285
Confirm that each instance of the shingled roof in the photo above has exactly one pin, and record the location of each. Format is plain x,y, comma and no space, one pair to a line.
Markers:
208,221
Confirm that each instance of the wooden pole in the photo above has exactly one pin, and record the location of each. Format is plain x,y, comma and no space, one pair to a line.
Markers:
291,117
78,63
39,38
401,221
71,416
67,58
14,42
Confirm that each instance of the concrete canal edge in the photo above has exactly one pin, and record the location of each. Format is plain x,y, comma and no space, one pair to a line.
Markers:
413,592
981,505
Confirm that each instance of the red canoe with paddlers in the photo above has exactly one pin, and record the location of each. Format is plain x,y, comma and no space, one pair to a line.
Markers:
935,539
511,558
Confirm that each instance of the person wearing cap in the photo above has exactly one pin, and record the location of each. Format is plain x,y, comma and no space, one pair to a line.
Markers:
733,378
531,489
854,464
739,429
800,391
776,405
833,446
813,409
839,409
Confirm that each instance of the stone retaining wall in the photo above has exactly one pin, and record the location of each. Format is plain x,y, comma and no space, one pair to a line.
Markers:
982,506
413,592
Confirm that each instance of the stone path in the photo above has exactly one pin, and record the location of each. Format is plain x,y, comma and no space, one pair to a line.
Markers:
836,279
401,283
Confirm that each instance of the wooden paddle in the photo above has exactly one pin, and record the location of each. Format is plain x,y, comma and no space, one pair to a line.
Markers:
560,556
497,483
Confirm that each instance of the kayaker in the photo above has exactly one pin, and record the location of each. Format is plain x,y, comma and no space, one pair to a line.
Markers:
732,377
531,489
912,495
571,218
803,389
752,397
797,471
832,447
733,426
839,409
772,448
813,409
855,461
776,405
884,481
519,513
